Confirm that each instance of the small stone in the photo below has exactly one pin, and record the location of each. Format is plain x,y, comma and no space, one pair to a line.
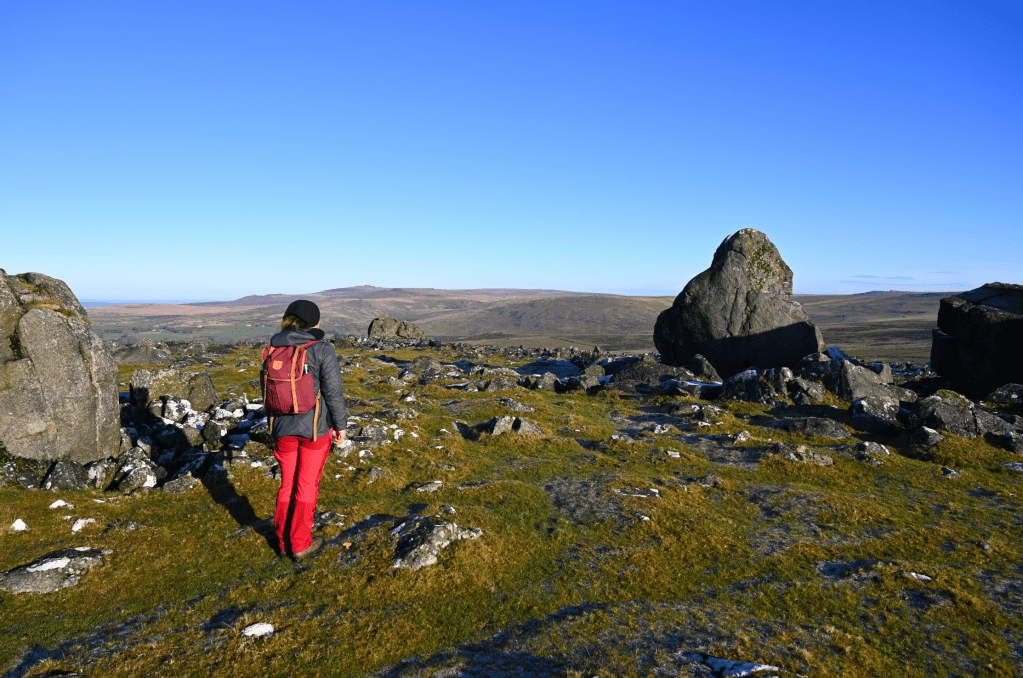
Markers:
59,503
950,473
80,523
19,525
448,509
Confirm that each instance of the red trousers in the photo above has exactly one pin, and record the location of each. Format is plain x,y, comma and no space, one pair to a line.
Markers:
301,461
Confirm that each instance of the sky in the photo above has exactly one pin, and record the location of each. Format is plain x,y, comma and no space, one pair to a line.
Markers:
211,150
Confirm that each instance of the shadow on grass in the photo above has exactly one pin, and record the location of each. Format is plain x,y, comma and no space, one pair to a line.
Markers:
496,657
223,491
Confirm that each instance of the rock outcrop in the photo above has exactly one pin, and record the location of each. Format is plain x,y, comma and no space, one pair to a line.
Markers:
392,328
58,384
977,342
738,313
144,352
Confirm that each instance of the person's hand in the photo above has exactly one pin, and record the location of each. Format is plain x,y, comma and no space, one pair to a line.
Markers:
339,437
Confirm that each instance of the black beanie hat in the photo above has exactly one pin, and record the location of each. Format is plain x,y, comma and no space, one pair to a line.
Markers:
306,311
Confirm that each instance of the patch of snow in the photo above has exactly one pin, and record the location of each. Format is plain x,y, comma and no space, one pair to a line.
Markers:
50,564
1013,465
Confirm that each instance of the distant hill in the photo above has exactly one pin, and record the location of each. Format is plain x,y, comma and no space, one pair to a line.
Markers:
881,325
371,292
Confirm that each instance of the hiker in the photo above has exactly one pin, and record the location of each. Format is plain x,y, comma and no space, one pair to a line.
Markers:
306,406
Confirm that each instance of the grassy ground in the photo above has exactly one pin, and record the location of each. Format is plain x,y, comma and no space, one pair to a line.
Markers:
798,566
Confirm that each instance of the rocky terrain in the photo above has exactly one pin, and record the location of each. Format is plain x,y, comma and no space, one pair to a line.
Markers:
509,512
746,503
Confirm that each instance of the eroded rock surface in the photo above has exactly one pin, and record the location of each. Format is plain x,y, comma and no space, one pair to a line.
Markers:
738,313
58,383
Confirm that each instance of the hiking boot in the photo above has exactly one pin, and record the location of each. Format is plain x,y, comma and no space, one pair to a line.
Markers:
313,548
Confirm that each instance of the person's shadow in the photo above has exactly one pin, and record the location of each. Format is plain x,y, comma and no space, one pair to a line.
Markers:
223,491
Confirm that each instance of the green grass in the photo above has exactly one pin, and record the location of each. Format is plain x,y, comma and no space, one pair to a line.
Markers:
631,592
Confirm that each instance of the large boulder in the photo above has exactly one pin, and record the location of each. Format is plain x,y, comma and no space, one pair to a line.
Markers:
392,328
147,386
738,313
977,342
58,383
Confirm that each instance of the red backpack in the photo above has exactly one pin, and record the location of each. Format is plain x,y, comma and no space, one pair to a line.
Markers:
287,384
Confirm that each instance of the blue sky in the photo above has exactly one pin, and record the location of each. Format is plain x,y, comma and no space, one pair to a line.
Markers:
210,150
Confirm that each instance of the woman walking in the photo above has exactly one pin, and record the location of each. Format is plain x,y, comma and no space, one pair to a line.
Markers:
306,406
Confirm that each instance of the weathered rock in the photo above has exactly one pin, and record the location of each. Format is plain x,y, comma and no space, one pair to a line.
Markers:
515,405
58,383
68,476
174,408
421,539
950,413
101,472
702,368
800,453
925,437
1008,394
816,426
144,352
56,570
586,382
499,425
148,386
811,389
977,342
392,328
181,484
855,382
876,415
738,313
747,385
546,382
372,436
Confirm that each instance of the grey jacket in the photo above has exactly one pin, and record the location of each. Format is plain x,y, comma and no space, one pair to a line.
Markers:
322,361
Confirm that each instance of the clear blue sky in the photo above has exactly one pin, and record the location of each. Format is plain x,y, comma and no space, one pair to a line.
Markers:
208,150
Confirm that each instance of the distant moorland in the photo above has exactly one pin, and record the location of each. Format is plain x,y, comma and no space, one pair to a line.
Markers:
886,326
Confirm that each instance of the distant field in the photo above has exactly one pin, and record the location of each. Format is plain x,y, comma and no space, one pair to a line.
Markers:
895,326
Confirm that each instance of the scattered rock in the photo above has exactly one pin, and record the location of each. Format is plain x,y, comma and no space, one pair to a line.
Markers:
800,453
431,486
1008,394
147,386
144,352
421,539
258,630
925,437
948,411
816,426
499,425
56,570
66,476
